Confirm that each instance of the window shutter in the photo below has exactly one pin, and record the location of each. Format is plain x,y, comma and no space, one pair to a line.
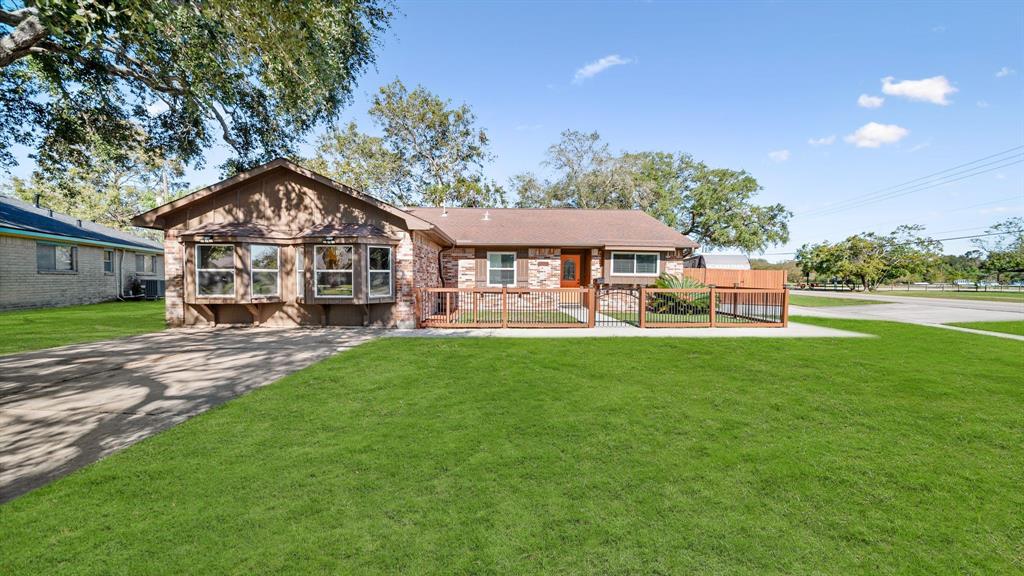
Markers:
523,268
480,258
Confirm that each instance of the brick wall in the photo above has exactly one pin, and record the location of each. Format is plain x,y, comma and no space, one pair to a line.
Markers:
174,295
23,286
403,313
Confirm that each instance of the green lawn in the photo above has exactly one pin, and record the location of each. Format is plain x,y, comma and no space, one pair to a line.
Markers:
825,301
1009,327
994,296
48,327
899,454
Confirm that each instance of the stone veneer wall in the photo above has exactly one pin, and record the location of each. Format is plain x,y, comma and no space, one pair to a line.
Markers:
459,268
425,275
545,267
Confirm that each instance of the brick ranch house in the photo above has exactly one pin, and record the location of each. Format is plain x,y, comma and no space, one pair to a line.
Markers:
281,245
53,259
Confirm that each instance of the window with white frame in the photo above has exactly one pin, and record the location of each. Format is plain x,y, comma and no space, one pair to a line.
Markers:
56,258
332,271
265,269
108,261
215,270
501,268
634,263
300,271
379,271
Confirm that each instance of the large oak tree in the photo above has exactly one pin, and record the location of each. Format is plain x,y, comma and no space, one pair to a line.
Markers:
715,206
259,74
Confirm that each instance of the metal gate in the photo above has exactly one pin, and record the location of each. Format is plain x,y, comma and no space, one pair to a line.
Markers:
617,306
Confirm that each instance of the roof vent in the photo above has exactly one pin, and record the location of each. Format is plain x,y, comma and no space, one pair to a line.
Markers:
487,215
51,212
38,198
79,222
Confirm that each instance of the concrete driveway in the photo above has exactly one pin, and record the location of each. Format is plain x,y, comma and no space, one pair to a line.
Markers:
915,310
64,408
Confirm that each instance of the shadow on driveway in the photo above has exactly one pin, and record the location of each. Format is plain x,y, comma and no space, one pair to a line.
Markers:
64,408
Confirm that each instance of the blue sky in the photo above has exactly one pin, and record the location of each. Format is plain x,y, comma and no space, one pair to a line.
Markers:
744,86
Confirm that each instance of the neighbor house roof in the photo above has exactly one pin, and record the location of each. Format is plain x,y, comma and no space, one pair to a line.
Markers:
724,261
554,227
23,219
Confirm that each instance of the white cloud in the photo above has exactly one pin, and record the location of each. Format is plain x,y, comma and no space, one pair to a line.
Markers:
938,29
982,103
1005,71
824,141
596,67
779,155
866,101
921,146
934,89
873,135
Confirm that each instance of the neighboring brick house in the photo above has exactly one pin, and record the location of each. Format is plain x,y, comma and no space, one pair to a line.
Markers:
282,245
52,259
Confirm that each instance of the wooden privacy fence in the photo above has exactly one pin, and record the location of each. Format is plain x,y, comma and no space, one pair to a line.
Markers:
763,279
587,307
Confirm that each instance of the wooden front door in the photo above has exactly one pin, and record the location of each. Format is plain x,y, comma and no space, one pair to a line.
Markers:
570,271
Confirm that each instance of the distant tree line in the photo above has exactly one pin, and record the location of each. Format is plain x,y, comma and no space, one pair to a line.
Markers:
868,260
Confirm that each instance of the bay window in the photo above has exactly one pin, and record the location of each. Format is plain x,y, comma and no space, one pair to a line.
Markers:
265,269
379,271
215,270
634,263
300,271
332,271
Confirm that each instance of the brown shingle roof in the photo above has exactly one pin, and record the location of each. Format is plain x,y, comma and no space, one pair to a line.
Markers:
561,227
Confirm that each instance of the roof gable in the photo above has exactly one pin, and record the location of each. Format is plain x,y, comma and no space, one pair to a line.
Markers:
154,218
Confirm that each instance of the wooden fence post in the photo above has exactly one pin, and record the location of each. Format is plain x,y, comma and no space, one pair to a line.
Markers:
712,304
785,308
476,304
504,306
643,306
591,307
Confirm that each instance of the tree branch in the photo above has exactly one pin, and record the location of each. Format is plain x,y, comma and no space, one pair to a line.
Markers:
28,31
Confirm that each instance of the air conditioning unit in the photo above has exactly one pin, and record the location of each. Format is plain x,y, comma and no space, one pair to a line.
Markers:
154,288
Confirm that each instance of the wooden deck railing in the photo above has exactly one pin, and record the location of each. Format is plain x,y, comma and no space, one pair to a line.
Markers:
581,307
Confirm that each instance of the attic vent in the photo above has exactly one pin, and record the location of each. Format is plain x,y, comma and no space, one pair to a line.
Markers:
487,215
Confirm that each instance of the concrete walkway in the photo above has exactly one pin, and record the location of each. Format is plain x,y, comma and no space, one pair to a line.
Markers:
64,408
794,330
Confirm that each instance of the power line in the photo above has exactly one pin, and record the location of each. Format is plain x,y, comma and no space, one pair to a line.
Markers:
969,173
914,241
916,182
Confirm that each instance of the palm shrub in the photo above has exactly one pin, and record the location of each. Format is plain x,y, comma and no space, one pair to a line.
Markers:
662,303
